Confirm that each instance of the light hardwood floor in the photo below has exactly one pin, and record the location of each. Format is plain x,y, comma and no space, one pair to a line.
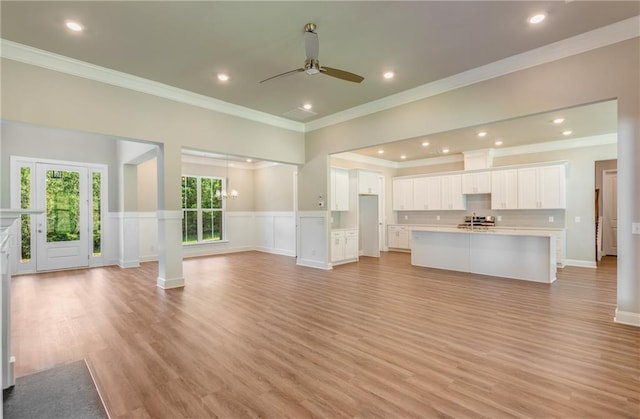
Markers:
252,335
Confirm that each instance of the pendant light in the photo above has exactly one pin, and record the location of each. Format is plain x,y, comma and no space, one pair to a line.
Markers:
225,193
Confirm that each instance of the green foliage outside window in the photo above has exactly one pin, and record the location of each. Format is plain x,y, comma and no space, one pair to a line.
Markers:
25,220
97,216
63,206
202,209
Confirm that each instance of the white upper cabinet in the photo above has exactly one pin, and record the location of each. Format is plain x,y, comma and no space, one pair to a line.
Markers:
542,187
478,182
427,193
403,194
504,189
367,183
339,189
451,193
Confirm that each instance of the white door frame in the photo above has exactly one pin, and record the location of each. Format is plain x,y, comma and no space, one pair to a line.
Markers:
382,237
18,162
609,221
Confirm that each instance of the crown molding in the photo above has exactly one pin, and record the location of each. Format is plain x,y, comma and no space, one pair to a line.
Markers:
581,142
597,38
45,59
360,158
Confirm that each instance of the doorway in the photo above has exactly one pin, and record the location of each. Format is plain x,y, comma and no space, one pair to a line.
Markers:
62,230
610,212
69,233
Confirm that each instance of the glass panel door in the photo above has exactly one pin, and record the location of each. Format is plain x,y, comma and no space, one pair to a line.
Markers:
63,230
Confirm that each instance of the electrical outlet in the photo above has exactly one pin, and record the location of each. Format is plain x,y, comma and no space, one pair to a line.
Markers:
551,218
406,217
577,219
635,228
499,218
438,217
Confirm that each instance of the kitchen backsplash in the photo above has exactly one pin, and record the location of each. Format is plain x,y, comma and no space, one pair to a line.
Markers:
481,205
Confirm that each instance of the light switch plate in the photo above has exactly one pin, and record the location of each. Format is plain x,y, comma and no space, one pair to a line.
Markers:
437,217
499,217
577,219
551,218
406,217
635,228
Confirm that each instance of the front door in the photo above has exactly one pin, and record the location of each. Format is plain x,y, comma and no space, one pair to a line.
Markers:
63,230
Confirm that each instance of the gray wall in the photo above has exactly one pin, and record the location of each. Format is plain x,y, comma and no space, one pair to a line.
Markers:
273,188
27,140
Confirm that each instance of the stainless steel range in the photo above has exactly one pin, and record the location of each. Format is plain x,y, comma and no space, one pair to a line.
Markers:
478,222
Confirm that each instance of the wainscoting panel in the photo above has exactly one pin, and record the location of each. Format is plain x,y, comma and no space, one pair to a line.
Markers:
313,239
270,232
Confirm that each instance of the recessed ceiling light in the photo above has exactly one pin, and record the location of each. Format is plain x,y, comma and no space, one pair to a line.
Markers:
307,106
567,132
425,144
403,157
482,134
74,26
380,151
388,75
537,18
558,120
223,77
498,142
445,150
249,160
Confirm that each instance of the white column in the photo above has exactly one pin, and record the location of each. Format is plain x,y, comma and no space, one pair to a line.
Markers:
628,304
169,217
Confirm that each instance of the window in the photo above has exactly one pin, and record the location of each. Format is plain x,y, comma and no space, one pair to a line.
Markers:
202,209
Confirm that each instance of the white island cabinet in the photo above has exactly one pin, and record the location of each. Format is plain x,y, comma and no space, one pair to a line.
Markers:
509,254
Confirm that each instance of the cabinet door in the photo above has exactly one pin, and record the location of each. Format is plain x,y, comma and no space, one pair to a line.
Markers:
504,189
474,183
337,246
367,183
351,244
552,190
434,193
402,194
403,239
528,195
420,201
452,197
340,190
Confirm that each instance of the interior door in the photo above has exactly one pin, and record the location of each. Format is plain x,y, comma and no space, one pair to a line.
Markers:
63,230
610,212
368,227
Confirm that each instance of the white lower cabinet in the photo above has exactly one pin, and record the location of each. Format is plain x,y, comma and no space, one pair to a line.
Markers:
398,237
344,246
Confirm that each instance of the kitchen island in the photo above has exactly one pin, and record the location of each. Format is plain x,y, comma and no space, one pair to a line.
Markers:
510,254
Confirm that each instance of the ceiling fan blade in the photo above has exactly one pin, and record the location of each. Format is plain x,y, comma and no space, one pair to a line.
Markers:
341,74
311,46
297,70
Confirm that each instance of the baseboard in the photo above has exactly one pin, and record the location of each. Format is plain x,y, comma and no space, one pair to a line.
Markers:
627,317
125,264
166,284
148,258
580,263
283,252
313,264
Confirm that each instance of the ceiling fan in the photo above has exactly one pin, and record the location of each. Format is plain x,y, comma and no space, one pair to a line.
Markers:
312,65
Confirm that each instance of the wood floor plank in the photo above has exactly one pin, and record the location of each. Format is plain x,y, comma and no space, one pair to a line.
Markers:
254,335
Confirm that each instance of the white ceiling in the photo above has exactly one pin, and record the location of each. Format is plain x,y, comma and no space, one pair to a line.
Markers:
185,44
